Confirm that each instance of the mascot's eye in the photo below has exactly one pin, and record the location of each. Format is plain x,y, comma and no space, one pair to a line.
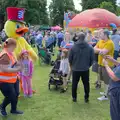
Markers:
17,26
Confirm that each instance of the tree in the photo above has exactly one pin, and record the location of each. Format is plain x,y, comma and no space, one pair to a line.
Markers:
57,9
89,4
108,6
36,11
118,10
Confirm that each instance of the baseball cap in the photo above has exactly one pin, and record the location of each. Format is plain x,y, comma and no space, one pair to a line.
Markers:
106,32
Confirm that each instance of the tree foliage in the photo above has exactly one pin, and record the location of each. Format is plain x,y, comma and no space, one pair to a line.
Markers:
89,4
36,11
57,9
108,6
118,10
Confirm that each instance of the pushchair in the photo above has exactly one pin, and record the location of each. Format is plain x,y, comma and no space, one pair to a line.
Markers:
44,56
55,77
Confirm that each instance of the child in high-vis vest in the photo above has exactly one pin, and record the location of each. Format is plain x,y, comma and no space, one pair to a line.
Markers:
9,85
26,74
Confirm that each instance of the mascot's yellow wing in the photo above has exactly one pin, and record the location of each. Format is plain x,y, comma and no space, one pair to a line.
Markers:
23,45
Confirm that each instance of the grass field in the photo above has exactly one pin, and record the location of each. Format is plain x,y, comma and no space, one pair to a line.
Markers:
51,105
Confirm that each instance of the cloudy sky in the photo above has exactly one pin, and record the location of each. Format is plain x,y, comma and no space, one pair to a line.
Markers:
76,2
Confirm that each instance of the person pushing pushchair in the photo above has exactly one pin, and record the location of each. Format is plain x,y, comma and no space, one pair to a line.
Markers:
49,43
38,40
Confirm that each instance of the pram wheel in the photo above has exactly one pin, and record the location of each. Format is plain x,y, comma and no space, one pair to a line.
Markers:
52,63
56,87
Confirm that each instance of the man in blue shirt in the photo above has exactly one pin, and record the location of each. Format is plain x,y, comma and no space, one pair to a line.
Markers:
50,42
38,40
114,87
116,39
60,37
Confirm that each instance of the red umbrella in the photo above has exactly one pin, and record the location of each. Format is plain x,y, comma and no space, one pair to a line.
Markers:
94,18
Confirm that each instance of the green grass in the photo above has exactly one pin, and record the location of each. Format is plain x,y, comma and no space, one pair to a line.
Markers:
51,105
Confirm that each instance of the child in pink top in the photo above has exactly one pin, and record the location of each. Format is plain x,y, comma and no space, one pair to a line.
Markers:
26,74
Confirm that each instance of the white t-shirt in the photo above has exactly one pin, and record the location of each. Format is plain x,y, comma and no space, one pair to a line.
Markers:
64,66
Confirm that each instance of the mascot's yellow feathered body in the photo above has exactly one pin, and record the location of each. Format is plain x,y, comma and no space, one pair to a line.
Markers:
15,28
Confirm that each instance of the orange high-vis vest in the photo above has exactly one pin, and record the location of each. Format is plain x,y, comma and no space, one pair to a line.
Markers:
6,77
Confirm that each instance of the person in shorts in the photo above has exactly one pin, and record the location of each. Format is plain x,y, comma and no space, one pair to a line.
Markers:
105,46
95,65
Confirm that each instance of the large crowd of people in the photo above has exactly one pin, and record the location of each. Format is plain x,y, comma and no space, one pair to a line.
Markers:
99,49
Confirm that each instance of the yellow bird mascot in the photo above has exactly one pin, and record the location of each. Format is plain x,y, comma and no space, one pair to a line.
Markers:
15,28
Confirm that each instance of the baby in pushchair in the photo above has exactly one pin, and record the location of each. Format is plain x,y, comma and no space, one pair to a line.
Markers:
60,71
55,77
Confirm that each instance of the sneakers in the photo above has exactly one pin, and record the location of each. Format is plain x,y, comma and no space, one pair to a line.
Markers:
29,96
102,93
74,100
3,112
86,100
103,98
17,112
62,91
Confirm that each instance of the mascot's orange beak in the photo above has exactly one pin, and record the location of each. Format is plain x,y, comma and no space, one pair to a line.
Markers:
22,30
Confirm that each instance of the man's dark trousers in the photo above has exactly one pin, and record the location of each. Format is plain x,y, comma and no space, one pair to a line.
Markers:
84,75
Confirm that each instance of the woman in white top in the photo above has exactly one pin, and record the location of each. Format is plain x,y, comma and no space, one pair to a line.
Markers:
64,69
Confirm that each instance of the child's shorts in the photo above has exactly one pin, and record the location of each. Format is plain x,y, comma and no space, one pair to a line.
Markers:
63,75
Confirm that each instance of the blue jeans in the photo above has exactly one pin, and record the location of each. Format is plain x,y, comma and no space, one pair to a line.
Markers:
60,41
116,54
115,103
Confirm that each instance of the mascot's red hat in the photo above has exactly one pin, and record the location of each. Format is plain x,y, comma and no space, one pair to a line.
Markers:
15,14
